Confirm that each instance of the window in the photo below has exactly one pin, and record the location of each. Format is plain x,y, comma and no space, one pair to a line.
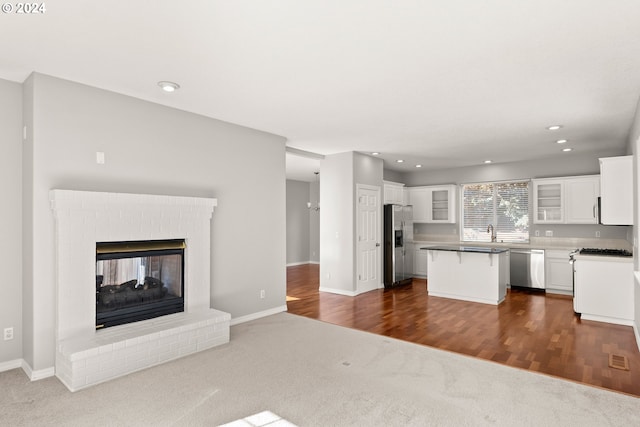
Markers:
505,205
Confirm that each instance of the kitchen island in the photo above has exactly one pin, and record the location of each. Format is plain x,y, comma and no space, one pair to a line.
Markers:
469,273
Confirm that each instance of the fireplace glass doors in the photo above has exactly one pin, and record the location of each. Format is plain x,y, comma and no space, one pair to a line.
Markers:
138,280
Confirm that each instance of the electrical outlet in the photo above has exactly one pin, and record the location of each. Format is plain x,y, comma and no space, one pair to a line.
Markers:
597,234
262,294
537,233
8,334
548,233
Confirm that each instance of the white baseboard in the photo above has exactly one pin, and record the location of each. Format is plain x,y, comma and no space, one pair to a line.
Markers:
558,292
33,375
338,291
291,264
39,374
625,322
258,315
11,364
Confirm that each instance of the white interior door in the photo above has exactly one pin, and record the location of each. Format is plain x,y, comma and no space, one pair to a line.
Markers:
369,238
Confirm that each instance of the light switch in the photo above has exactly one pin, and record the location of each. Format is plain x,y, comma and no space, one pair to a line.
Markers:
100,157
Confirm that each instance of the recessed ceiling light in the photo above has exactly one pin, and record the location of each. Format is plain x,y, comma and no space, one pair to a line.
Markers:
168,86
554,127
375,153
562,141
487,161
399,161
567,149
418,166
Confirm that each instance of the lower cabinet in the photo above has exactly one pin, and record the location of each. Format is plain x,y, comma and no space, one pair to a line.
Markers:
420,262
558,271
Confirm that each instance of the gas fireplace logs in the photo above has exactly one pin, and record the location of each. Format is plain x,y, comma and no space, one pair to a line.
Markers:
130,292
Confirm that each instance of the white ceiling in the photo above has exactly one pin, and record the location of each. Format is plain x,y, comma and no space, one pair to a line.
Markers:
443,83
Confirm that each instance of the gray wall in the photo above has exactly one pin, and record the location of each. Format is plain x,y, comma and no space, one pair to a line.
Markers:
28,314
303,225
565,164
634,132
393,176
298,216
634,147
11,218
337,265
156,150
314,224
340,173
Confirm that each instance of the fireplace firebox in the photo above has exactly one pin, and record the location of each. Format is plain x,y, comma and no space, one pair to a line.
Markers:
138,280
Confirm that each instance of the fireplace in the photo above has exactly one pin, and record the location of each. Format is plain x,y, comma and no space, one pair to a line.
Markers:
138,280
136,233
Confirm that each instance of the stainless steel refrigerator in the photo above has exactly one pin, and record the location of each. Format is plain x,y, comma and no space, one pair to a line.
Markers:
398,242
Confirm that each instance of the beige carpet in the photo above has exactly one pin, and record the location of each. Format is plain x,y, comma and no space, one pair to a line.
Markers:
317,374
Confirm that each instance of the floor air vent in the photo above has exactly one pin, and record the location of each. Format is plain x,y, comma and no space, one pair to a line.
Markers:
618,362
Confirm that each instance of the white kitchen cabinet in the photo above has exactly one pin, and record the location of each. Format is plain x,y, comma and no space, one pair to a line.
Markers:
568,200
418,199
393,193
616,189
468,275
604,289
505,268
558,272
433,204
420,262
581,199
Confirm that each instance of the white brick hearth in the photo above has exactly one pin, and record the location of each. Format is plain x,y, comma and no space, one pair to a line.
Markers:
85,356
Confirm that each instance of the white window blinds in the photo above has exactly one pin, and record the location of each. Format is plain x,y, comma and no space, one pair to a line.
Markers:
504,205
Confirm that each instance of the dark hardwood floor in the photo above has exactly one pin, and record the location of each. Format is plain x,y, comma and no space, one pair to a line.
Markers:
529,330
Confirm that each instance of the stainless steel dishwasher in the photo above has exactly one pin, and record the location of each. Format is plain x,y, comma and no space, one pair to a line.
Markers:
527,268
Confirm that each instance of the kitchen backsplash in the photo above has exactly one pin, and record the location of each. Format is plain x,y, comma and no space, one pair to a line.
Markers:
558,231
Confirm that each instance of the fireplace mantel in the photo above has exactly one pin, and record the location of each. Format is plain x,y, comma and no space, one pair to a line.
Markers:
84,218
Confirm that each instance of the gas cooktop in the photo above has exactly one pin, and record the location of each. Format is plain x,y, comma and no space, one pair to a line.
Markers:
606,252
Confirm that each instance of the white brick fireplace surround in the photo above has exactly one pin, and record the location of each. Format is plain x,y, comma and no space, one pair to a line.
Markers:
85,356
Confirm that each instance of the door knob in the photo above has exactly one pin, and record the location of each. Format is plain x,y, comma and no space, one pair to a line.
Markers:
377,245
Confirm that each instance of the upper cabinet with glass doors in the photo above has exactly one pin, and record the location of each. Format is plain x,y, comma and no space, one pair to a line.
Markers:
433,204
569,200
547,201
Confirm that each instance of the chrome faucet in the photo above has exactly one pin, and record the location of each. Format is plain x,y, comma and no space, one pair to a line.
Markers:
491,230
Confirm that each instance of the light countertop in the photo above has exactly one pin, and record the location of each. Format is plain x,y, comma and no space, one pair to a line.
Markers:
548,243
477,249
